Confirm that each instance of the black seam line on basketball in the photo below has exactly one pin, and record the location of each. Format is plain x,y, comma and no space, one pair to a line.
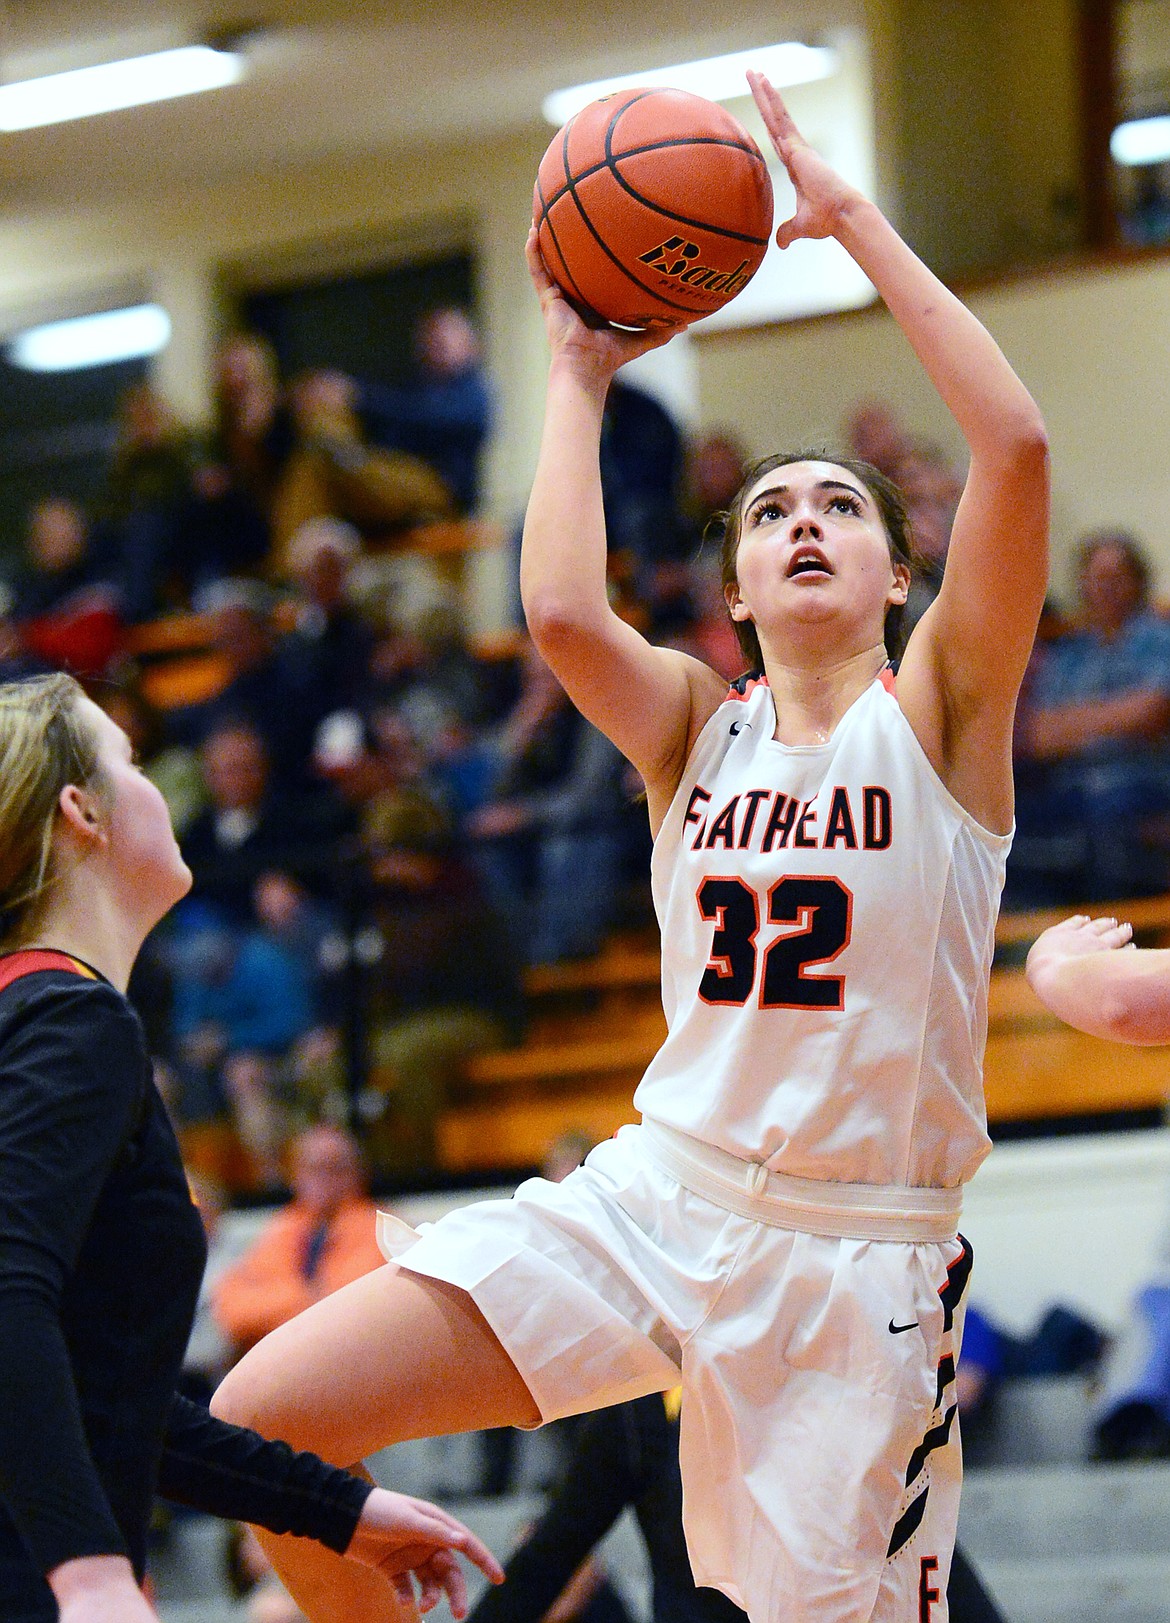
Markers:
684,219
660,146
643,287
657,146
546,221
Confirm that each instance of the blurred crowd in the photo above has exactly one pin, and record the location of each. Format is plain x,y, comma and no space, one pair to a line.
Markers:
388,823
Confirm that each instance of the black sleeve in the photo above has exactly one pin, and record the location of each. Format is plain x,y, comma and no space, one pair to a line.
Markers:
598,1485
71,1077
232,1472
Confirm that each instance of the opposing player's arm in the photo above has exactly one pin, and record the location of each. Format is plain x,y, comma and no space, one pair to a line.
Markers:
650,701
1087,973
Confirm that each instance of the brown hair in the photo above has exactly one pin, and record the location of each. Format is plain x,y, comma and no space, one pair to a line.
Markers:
45,745
895,521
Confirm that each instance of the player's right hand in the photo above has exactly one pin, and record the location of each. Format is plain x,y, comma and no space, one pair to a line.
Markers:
601,348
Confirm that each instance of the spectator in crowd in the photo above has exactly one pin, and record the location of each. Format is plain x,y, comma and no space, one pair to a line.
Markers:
1094,735
423,669
259,684
144,497
549,838
241,1003
641,474
931,490
327,652
320,1241
246,829
225,526
876,435
333,469
443,414
446,982
687,607
65,604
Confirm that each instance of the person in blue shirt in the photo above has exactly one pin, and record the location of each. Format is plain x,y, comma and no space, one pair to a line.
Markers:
1094,737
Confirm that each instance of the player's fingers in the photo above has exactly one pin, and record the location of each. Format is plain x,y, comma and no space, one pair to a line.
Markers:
403,1586
430,1592
1103,926
476,1551
537,268
777,118
451,1582
790,231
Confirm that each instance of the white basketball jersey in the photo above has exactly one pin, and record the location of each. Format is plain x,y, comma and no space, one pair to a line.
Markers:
827,915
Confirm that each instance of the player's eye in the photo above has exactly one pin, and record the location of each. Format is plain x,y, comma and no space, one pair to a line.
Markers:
764,512
845,504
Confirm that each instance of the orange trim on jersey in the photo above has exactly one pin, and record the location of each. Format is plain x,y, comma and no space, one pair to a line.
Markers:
888,680
34,960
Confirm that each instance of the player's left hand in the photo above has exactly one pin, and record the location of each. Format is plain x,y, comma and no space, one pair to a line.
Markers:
821,194
407,1539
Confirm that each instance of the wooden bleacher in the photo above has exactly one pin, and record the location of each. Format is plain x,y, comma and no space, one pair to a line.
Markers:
597,1024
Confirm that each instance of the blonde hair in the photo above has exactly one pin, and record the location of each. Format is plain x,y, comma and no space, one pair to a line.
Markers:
45,745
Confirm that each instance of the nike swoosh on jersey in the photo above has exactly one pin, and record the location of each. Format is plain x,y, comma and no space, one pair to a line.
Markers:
897,1329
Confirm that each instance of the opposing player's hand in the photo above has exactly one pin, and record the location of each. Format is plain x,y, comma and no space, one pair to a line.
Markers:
821,194
601,348
99,1589
1075,938
408,1539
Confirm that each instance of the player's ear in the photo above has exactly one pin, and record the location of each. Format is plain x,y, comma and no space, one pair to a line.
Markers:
82,814
900,590
736,606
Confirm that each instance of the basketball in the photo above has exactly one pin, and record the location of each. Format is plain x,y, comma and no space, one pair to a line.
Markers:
652,206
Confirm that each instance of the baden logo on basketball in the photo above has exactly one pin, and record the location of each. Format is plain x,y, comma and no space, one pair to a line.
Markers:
676,258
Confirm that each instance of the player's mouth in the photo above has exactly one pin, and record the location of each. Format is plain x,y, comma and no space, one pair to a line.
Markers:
810,561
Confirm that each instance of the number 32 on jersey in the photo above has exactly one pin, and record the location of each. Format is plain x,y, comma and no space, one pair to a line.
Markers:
820,908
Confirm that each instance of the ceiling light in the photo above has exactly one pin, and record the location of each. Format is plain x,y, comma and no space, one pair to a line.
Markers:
719,78
1141,140
97,340
81,92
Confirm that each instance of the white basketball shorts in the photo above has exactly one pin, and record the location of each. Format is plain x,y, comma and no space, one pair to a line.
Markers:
819,1437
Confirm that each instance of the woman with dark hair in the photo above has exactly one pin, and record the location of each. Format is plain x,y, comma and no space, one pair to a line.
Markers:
781,1228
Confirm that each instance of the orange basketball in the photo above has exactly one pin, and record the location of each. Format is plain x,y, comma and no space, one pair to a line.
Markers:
652,205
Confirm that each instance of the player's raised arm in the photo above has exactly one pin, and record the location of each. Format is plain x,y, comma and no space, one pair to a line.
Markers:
997,567
647,700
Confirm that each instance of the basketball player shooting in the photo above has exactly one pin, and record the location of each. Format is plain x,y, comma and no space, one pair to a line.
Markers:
780,1231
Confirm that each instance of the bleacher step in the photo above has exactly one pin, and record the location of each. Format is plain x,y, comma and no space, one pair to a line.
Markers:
1041,1513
